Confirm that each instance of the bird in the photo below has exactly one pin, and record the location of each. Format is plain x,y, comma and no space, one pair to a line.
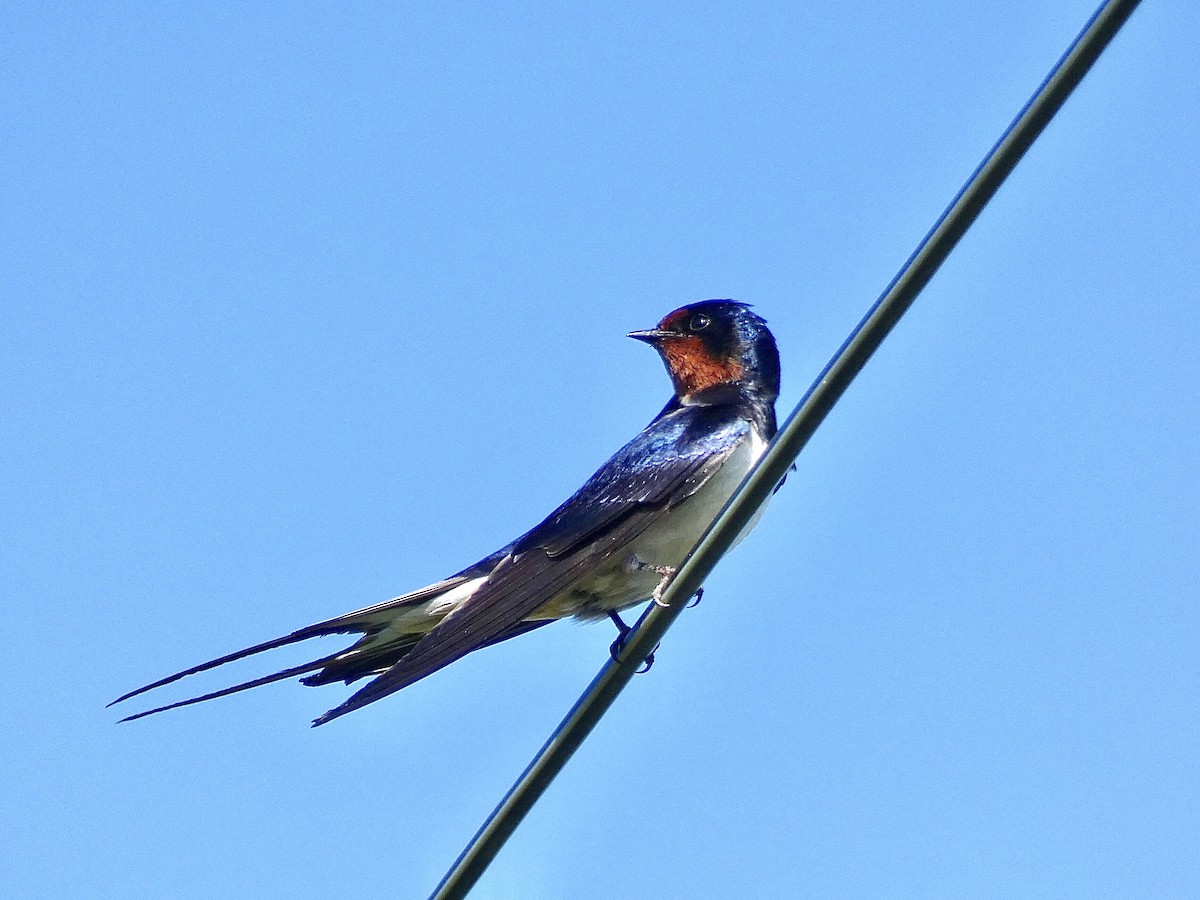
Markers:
615,543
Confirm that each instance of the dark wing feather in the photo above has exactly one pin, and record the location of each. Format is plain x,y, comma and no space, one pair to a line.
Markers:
376,659
662,466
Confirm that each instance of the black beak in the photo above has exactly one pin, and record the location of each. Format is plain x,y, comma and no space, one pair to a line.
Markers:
651,335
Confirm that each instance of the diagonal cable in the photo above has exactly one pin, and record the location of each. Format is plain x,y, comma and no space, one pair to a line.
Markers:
756,488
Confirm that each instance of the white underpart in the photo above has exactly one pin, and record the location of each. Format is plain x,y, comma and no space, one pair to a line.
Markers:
420,617
758,446
667,544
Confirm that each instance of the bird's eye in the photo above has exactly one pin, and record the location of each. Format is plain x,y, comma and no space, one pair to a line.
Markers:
699,322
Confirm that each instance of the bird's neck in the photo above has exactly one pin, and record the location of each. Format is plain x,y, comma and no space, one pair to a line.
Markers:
754,403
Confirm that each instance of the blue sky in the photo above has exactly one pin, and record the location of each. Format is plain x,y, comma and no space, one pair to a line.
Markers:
306,307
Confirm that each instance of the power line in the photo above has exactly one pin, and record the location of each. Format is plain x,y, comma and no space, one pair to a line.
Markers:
754,491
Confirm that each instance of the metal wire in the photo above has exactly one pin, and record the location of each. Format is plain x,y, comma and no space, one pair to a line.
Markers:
800,426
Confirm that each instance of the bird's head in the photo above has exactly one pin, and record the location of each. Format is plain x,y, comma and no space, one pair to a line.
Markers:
716,346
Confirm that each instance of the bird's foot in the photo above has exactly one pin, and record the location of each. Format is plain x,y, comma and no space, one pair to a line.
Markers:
667,573
618,645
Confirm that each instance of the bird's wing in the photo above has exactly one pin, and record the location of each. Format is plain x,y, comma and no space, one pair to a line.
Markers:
661,467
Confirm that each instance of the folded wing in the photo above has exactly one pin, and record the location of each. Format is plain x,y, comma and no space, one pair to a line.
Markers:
663,466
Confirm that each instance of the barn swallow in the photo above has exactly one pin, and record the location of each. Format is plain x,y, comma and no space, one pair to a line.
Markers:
615,543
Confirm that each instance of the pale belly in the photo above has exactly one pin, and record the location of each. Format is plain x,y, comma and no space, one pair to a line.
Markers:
630,577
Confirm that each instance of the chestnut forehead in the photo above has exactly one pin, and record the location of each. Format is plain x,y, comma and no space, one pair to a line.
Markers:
675,319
